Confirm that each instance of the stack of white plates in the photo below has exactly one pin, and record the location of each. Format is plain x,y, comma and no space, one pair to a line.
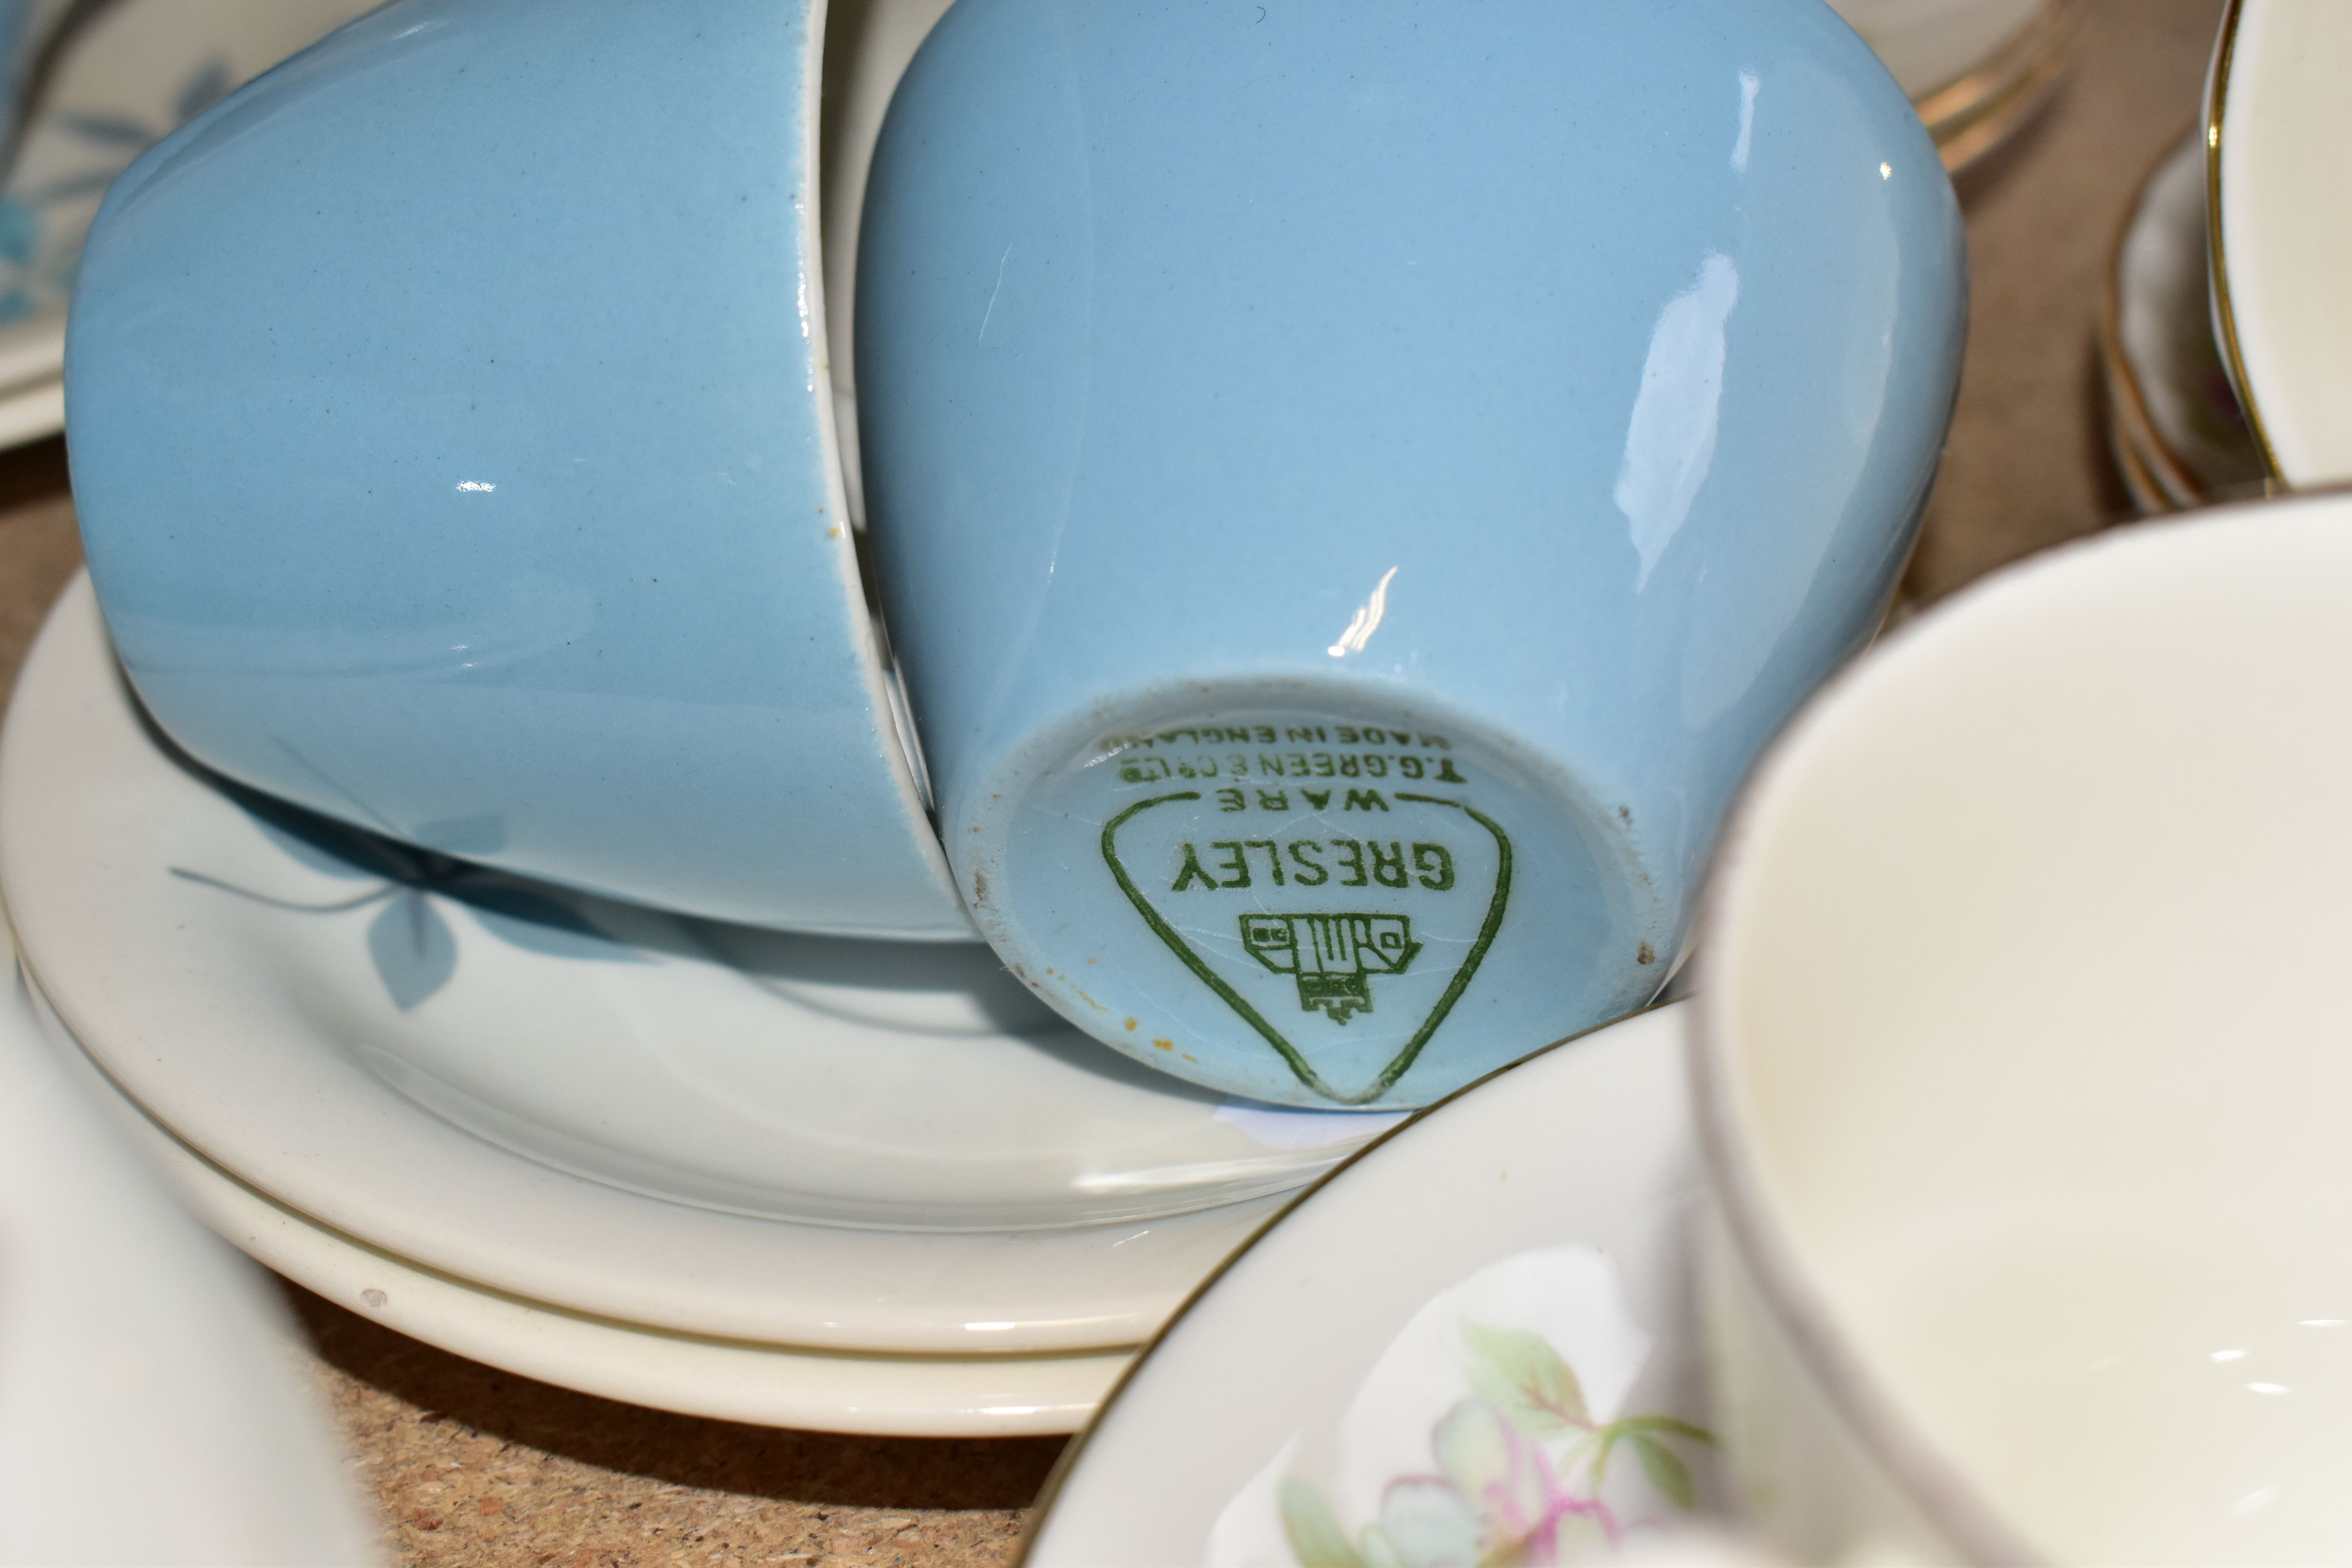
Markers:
845,1185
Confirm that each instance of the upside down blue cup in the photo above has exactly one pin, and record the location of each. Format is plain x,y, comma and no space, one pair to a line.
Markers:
1356,482
452,438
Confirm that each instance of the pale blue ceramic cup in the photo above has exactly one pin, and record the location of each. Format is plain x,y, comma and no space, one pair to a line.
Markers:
453,440
1355,483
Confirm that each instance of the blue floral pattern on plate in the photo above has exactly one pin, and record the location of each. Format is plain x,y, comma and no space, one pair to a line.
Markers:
45,214
409,939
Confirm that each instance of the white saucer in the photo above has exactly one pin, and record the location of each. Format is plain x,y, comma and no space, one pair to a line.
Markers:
734,1380
131,75
1336,1366
832,1147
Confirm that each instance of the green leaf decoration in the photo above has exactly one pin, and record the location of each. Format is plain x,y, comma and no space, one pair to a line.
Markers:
1645,1433
1667,1473
1316,1537
1477,1449
1520,1375
1424,1523
1668,1425
1610,1436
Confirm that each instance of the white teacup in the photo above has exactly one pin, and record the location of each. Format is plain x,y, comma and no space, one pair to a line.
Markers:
2023,1075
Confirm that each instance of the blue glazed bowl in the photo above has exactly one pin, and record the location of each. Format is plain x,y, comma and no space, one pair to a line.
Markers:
453,440
1356,482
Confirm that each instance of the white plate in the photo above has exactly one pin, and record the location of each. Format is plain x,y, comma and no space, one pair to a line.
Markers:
128,77
1356,1357
733,1380
148,1411
820,1144
2280,122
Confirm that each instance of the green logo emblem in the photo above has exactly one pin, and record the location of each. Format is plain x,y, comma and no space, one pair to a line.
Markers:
1334,956
1301,871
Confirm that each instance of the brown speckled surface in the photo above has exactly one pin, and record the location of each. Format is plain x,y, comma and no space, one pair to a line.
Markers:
2027,464
474,1469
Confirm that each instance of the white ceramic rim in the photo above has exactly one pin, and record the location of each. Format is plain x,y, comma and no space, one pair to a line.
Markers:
1622,864
32,379
34,413
732,1379
462,1203
1074,1456
2225,313
885,705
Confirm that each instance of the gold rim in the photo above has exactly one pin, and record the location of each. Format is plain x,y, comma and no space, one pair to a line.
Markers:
2148,496
2132,441
1051,1492
2172,478
2216,96
1972,115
